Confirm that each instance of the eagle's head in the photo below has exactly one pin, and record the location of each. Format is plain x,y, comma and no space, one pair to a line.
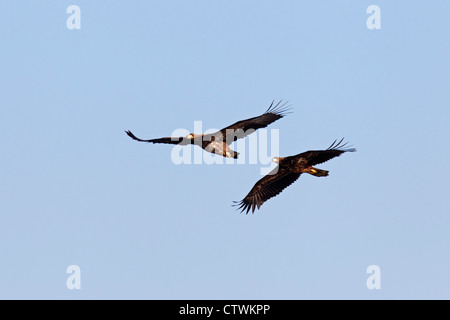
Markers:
276,159
190,136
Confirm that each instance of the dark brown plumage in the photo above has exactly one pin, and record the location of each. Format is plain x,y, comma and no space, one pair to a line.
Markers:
167,140
287,172
220,141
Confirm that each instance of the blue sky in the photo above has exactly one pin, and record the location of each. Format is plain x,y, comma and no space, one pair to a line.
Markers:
75,190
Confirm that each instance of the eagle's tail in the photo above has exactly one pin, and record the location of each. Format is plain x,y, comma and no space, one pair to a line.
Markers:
317,172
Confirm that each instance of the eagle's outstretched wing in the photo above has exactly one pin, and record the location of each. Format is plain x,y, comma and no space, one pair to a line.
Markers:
243,128
314,157
167,140
267,187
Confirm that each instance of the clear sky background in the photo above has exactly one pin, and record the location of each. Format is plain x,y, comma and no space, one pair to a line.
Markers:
75,190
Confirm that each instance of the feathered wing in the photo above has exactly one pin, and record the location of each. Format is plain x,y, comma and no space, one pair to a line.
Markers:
167,140
243,128
267,187
314,157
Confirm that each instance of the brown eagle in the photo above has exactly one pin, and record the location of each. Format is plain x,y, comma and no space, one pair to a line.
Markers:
219,142
287,172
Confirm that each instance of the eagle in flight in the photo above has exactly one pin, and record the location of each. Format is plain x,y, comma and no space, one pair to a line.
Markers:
287,172
219,142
